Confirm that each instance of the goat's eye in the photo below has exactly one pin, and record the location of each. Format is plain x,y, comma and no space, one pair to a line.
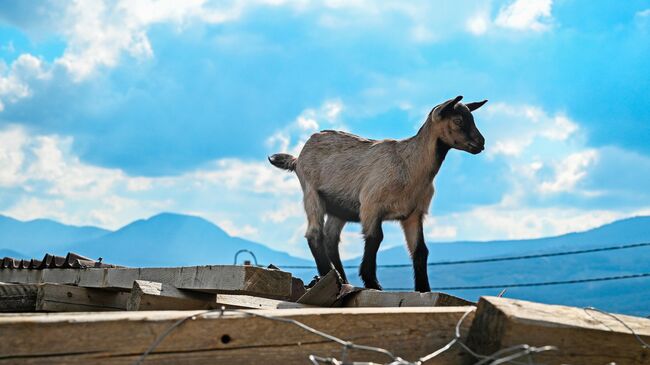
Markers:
458,121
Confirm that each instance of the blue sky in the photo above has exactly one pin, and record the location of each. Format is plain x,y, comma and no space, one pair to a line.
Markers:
116,110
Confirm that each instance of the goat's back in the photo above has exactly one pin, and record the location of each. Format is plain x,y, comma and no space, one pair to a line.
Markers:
337,161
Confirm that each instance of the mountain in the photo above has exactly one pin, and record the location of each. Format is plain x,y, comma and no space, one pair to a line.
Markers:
4,252
36,237
176,240
631,296
625,231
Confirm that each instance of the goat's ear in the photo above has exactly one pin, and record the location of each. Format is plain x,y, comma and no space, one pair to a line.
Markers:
475,105
448,106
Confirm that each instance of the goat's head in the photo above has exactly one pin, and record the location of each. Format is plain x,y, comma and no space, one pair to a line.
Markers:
456,126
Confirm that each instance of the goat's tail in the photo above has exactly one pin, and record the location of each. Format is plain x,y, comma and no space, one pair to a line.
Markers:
283,161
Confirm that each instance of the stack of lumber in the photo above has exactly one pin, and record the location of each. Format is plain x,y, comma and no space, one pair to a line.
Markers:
188,288
241,315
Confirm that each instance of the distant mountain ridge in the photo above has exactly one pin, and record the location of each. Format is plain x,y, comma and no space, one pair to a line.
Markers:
30,238
624,231
169,239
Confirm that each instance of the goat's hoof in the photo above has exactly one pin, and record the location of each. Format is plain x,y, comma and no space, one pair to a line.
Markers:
424,289
375,285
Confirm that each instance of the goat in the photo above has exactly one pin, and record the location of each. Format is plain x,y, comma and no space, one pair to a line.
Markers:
353,179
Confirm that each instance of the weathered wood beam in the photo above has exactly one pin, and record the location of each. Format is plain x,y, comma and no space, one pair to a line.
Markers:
231,338
325,292
216,279
149,295
69,298
18,297
582,336
234,301
376,298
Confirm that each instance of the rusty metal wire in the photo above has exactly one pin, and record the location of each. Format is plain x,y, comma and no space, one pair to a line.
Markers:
499,357
644,344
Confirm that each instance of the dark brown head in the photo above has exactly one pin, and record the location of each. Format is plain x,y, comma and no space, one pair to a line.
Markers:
455,122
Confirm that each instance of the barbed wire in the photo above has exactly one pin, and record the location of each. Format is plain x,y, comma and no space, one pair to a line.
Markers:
499,357
644,344
543,283
494,259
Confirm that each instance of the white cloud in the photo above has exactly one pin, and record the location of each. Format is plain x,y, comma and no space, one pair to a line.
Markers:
44,170
478,24
14,80
534,15
12,157
252,176
100,32
287,209
643,13
292,138
569,172
237,230
513,128
501,221
436,231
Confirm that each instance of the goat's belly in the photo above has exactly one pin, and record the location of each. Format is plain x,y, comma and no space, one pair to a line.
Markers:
345,209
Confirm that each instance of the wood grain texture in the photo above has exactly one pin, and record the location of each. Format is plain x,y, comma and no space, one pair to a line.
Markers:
234,338
325,292
582,336
69,298
18,297
149,295
376,298
219,278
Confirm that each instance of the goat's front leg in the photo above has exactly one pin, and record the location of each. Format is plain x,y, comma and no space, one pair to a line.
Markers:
414,234
315,216
373,235
333,228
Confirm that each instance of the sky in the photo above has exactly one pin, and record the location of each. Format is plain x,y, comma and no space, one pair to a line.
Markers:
112,111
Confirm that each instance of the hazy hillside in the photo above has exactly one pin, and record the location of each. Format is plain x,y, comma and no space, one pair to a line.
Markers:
34,238
4,252
175,240
629,296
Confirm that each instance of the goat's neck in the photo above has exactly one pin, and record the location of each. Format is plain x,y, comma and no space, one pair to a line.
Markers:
427,152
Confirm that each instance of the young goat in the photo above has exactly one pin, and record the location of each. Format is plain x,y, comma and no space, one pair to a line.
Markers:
353,179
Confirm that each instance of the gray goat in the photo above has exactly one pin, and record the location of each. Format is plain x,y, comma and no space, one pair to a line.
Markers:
353,179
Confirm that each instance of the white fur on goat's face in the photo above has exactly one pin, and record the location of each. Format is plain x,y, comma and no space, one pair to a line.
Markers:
456,127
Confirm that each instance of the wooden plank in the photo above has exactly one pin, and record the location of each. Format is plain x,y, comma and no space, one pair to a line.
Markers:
325,292
582,336
297,289
149,295
18,297
376,298
20,276
220,278
215,279
68,298
232,338
234,301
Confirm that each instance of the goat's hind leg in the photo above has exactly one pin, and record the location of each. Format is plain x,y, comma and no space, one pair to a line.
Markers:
333,227
373,235
315,210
